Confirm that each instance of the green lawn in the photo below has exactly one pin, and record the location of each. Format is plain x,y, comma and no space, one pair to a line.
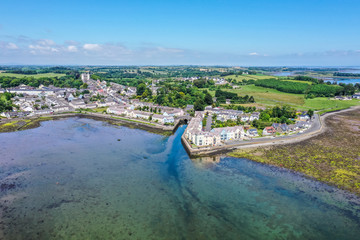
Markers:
249,77
33,75
326,105
267,97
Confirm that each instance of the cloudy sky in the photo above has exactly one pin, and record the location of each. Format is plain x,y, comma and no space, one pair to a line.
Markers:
166,32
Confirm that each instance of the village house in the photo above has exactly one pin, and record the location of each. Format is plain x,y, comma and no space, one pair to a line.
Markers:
229,133
254,116
269,131
140,114
304,117
302,124
14,114
163,119
174,112
77,103
91,105
245,118
69,97
43,112
281,128
62,108
252,132
356,95
118,110
206,139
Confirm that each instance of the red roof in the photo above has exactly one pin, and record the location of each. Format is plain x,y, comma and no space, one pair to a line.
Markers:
270,130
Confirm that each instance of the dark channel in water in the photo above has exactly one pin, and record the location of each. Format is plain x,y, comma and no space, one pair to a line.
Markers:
85,179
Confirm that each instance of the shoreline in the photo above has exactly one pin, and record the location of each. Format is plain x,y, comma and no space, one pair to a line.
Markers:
34,122
224,149
329,157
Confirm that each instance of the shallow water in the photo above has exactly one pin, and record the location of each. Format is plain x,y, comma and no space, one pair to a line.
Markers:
73,179
344,80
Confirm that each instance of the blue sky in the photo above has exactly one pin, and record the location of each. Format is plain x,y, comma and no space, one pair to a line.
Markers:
165,32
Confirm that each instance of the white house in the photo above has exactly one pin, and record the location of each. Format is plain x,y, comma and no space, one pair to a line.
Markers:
163,119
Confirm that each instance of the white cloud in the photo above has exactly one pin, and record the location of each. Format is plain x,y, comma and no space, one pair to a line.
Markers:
11,45
46,42
170,50
254,54
92,46
43,48
72,48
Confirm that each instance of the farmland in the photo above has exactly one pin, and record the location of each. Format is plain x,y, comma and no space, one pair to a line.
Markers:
40,75
266,97
239,78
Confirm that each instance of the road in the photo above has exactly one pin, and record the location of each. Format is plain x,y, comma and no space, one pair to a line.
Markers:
208,123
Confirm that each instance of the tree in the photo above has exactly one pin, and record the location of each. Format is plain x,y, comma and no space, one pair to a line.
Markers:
283,119
208,99
140,89
310,112
199,105
264,116
95,77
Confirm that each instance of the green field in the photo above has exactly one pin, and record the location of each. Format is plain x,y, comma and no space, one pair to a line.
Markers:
249,77
32,75
267,97
326,105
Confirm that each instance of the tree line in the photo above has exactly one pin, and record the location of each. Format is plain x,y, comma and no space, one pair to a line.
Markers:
221,97
342,74
61,82
314,90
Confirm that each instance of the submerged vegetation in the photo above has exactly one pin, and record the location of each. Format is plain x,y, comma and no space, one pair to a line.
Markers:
332,157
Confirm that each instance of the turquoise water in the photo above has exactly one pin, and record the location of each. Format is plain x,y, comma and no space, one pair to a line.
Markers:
73,179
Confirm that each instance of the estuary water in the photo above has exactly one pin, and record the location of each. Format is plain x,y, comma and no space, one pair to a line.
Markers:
85,179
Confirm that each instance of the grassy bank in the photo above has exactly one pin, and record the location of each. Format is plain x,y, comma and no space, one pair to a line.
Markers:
32,75
332,157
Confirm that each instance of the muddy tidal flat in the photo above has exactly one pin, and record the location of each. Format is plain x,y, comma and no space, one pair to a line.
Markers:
79,178
332,157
